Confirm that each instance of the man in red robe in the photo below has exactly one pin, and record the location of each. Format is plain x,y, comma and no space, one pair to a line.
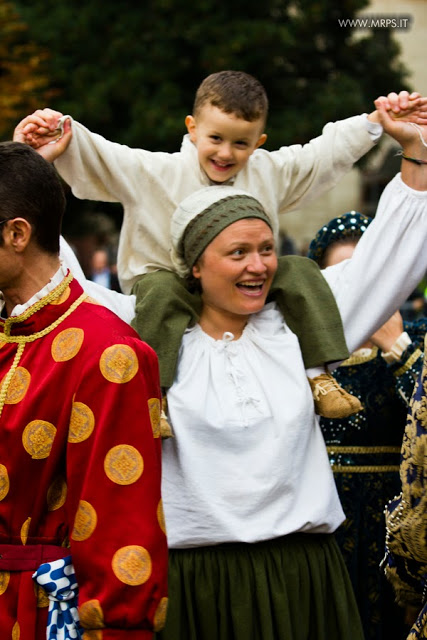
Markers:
80,463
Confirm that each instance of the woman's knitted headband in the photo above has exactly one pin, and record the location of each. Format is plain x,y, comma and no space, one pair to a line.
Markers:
218,216
202,216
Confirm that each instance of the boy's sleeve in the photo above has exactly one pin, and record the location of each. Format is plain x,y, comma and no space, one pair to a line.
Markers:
300,173
117,529
98,169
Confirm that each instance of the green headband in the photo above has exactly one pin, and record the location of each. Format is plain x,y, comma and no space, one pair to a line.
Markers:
202,229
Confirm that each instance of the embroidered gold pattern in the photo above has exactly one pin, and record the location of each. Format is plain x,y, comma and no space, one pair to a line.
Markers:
93,634
343,449
18,386
161,516
56,494
67,344
123,464
132,565
91,615
355,358
41,596
406,522
24,530
85,521
408,364
160,615
154,409
91,300
4,581
16,631
63,297
348,468
4,482
38,438
119,363
82,422
21,341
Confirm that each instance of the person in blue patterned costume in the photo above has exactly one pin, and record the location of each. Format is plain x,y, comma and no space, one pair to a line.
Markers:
364,448
406,517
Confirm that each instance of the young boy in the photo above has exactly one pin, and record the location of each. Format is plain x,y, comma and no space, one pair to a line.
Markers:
225,133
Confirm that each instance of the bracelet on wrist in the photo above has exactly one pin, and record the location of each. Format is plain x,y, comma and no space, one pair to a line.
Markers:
414,160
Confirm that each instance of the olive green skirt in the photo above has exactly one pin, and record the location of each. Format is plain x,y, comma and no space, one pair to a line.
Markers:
291,588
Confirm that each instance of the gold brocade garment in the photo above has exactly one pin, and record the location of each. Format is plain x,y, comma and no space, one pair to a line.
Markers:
406,515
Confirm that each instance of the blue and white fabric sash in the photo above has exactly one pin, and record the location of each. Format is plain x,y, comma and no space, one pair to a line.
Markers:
58,580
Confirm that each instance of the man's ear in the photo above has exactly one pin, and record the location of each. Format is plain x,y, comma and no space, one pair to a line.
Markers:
18,233
190,123
262,139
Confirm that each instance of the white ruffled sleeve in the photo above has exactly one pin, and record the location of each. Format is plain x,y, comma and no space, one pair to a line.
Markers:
387,265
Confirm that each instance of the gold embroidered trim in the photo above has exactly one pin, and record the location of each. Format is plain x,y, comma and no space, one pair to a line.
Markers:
55,293
340,468
21,341
408,364
355,359
339,449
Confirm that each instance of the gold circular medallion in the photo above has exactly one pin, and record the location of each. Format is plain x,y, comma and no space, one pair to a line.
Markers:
132,565
38,438
154,409
24,530
91,614
16,631
4,581
160,615
56,494
161,516
82,422
66,344
18,386
119,363
63,297
4,482
123,464
85,521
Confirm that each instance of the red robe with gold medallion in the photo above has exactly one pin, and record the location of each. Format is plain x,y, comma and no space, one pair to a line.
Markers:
80,468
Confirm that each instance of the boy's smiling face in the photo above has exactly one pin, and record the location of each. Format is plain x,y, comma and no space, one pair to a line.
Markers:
224,141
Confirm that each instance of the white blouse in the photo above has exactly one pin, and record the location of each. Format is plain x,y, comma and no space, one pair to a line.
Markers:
248,461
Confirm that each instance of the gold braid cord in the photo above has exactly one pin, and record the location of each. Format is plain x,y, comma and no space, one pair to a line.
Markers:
21,341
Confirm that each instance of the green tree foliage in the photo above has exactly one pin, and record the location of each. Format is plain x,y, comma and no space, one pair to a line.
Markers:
23,81
129,70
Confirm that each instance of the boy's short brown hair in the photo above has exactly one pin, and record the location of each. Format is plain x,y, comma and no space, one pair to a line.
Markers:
233,92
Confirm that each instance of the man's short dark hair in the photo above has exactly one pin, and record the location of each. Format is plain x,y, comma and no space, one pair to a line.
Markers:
234,92
30,188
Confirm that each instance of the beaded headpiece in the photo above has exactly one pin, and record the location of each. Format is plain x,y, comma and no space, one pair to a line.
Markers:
349,225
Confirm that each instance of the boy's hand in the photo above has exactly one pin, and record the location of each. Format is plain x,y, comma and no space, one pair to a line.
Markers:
408,126
410,107
40,130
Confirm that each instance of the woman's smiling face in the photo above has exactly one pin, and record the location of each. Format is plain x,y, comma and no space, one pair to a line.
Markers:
236,271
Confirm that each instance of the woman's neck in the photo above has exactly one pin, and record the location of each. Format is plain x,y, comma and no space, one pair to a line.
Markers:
215,323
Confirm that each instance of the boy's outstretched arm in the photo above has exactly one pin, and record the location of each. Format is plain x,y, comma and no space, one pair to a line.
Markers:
41,131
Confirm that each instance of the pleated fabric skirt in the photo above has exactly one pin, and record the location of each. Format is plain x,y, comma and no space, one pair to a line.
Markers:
291,588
